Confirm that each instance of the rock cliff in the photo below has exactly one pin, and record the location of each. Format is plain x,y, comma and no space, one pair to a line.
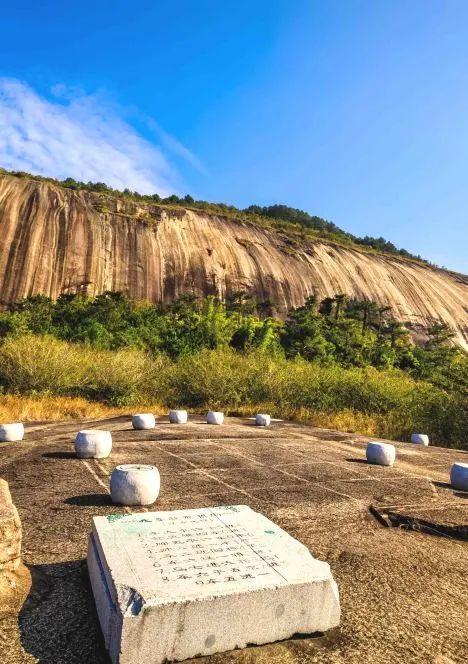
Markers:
55,240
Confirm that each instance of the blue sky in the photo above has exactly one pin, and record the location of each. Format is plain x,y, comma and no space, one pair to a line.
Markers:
353,110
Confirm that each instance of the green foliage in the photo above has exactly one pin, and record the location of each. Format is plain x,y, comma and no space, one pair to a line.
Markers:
30,363
111,321
337,331
339,357
295,216
347,332
380,244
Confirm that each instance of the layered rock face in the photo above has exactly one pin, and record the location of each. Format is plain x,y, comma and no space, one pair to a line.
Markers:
56,240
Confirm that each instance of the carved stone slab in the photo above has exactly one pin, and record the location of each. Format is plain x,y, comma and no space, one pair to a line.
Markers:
174,585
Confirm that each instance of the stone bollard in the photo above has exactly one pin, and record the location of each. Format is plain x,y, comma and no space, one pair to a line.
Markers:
11,432
93,444
213,417
143,421
382,454
459,476
178,416
135,484
420,439
262,420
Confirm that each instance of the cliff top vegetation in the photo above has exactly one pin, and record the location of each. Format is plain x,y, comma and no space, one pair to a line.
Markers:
283,218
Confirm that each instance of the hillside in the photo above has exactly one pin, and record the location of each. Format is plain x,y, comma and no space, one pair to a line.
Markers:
56,240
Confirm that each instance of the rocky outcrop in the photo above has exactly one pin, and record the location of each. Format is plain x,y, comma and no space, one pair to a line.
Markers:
15,579
54,240
10,531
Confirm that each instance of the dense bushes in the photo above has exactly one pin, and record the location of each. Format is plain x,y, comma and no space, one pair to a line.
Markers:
30,363
385,403
336,331
337,363
44,365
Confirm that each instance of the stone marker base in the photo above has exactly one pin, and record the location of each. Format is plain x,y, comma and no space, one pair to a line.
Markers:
173,585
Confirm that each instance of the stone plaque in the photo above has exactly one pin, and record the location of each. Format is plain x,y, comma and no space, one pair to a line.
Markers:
173,585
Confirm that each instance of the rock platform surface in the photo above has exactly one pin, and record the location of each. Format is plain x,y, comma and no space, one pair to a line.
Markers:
403,593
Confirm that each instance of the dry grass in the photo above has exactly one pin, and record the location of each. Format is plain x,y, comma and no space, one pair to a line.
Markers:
49,408
44,408
57,381
347,420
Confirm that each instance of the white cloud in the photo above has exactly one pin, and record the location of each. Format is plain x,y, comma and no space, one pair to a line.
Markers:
79,136
175,146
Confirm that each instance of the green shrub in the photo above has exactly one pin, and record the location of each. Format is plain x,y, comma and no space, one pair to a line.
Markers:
394,404
30,363
117,378
388,403
33,364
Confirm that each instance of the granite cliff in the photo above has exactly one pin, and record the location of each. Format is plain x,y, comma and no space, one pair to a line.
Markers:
56,240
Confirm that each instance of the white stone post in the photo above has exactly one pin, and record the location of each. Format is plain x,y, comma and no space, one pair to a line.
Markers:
143,421
135,484
11,432
178,416
420,439
214,417
459,476
93,444
382,454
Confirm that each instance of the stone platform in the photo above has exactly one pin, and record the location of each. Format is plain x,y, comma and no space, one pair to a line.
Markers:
403,590
174,585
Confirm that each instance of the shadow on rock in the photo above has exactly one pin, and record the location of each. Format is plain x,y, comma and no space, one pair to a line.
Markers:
59,455
58,621
90,500
447,485
442,485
